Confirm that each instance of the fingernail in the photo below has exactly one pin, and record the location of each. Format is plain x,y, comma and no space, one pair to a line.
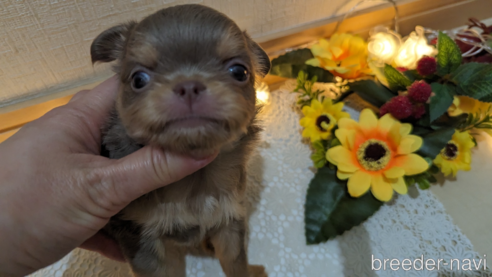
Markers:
206,160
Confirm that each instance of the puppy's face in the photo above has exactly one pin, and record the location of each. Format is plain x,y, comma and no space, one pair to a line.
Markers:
187,78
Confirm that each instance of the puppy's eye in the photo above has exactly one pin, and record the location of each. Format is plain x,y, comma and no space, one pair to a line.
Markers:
239,72
140,80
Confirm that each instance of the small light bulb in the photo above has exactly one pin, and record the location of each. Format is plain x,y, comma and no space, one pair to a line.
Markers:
263,94
383,45
413,49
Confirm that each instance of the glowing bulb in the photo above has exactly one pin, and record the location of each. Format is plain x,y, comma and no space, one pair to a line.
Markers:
413,49
263,94
383,45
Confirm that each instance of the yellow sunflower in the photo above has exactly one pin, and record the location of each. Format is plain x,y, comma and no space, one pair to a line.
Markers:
456,155
344,55
465,104
376,154
320,118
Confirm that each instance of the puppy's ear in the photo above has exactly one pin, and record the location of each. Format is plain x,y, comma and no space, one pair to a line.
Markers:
261,58
109,45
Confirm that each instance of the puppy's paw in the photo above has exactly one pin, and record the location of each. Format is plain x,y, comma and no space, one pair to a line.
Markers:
257,271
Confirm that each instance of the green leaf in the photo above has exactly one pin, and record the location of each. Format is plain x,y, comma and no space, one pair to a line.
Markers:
447,121
465,71
290,64
335,142
330,211
448,56
292,70
434,169
435,141
423,183
431,178
443,99
372,91
299,56
319,155
409,180
474,80
396,80
412,75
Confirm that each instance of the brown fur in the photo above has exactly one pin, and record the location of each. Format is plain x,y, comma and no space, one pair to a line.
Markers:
206,212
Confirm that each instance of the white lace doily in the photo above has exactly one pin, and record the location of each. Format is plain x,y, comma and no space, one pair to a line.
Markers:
407,228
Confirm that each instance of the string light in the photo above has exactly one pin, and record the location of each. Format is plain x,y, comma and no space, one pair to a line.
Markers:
413,49
383,45
262,94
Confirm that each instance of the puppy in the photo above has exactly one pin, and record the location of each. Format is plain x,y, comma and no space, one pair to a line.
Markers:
187,78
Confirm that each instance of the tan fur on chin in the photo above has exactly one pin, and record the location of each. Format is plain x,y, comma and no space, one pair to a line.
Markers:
191,104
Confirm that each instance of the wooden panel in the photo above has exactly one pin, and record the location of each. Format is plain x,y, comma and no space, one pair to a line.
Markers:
15,119
6,135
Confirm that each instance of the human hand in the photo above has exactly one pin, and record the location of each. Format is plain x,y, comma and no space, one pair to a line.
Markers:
57,192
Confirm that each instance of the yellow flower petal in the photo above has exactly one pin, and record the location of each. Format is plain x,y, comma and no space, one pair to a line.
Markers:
394,133
400,186
368,120
381,189
319,51
316,105
342,158
348,123
412,164
310,133
454,109
394,172
314,62
336,51
337,107
386,122
346,138
344,175
409,144
405,129
359,183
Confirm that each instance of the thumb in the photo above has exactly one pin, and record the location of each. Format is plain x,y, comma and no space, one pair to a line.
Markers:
148,169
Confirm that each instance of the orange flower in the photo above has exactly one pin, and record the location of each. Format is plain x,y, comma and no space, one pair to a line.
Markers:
344,55
376,154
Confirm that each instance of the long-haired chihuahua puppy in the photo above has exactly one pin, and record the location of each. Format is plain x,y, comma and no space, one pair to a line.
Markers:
187,78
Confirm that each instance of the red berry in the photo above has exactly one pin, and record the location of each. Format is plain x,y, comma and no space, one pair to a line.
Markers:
384,109
418,110
399,107
426,66
433,41
419,91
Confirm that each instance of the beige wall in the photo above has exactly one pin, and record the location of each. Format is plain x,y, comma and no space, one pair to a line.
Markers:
44,44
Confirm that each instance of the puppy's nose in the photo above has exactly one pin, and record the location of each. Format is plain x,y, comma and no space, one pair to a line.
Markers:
189,89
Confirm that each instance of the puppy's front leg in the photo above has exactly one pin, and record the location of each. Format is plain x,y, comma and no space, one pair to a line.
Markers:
154,258
229,247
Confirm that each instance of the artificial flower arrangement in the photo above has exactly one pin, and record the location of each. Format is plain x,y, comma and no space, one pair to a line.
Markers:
425,100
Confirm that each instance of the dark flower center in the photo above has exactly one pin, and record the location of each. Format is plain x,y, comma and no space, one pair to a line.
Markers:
374,152
373,155
321,119
450,152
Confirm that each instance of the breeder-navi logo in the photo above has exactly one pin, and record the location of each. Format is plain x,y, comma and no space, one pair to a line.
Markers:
429,264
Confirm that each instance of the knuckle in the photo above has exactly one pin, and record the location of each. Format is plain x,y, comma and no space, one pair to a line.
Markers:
161,168
102,192
79,95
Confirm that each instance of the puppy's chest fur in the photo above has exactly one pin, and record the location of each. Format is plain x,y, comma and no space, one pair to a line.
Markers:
201,202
